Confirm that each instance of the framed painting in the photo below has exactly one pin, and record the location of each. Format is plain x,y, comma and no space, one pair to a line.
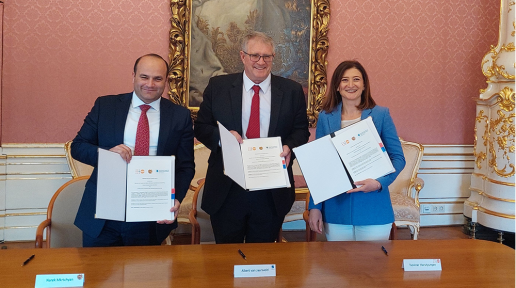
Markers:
205,40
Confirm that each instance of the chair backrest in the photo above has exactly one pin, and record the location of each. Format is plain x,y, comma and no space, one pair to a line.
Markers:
413,154
203,218
61,211
201,153
77,168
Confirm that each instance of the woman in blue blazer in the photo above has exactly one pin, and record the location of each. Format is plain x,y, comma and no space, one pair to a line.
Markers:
364,213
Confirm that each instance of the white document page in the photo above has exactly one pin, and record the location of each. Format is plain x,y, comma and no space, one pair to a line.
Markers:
263,166
231,156
150,184
322,168
111,183
362,151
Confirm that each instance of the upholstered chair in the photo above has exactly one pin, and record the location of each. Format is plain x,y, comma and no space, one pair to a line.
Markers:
405,189
77,168
60,230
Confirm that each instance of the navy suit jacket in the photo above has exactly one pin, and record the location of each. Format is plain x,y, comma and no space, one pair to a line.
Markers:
373,208
223,102
104,128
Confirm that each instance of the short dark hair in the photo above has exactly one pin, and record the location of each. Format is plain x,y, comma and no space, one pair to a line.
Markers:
149,55
333,98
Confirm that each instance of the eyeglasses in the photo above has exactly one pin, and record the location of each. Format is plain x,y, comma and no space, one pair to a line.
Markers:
256,57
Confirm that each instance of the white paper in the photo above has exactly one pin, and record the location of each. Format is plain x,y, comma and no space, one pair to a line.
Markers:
263,166
59,280
254,164
150,183
111,186
362,151
231,156
142,196
264,270
421,265
322,168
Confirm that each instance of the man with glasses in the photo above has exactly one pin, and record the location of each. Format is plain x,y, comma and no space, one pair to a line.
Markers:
252,104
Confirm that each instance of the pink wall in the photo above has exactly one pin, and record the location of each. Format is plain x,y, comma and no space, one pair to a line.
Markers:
423,58
60,55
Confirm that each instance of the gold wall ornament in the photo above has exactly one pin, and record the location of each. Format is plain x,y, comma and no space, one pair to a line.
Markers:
495,70
489,71
505,99
502,143
180,45
179,37
320,44
481,156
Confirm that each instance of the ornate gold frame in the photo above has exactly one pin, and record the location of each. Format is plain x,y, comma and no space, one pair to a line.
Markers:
179,55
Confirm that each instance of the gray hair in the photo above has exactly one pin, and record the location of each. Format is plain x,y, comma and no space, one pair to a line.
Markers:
264,38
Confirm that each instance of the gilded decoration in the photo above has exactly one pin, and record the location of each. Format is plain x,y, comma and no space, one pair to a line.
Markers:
495,69
502,132
179,38
224,43
479,157
489,71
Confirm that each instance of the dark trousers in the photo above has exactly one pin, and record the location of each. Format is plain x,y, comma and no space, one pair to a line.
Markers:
117,233
246,216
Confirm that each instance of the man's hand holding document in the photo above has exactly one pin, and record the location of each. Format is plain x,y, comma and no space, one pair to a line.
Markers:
142,190
256,163
332,164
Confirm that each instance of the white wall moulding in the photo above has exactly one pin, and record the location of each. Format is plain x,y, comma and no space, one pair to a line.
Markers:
29,176
446,170
38,170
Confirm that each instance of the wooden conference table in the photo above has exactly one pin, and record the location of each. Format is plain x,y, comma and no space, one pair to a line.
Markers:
465,263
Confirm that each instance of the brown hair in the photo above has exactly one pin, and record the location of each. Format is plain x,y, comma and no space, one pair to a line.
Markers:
333,97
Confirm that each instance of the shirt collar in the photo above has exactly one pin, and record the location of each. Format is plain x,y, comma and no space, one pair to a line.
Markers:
265,85
137,102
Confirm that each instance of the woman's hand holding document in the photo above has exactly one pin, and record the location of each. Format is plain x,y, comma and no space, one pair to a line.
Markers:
256,163
356,151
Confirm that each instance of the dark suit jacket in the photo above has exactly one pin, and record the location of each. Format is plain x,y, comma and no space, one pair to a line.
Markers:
104,128
223,102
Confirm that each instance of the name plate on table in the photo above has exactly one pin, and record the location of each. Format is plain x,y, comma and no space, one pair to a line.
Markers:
266,270
422,265
59,280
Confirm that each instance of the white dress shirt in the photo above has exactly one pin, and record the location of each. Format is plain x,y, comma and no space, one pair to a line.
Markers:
265,104
131,124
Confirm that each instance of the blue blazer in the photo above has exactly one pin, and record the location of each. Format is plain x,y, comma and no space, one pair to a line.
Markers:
104,128
373,208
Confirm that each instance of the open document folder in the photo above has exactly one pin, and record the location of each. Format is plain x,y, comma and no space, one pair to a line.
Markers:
142,190
332,163
254,164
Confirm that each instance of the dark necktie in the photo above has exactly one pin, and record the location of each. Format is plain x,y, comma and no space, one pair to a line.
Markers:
253,129
141,145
